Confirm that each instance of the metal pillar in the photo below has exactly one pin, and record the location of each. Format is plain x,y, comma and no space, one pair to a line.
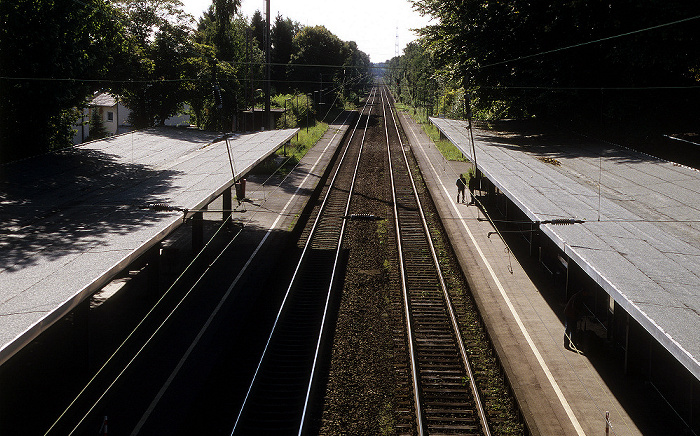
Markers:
268,122
227,204
197,232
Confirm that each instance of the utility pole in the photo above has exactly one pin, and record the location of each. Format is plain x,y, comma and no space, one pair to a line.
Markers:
268,115
249,57
320,90
396,44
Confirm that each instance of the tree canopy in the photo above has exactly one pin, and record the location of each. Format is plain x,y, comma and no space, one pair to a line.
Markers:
53,54
542,58
56,54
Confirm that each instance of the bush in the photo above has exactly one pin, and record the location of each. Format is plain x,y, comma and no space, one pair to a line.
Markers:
97,127
299,109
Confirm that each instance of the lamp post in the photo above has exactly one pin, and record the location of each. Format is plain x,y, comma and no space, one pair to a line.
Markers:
285,111
308,97
284,147
257,91
269,123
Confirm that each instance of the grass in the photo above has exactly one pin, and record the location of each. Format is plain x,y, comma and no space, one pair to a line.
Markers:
304,141
448,150
288,156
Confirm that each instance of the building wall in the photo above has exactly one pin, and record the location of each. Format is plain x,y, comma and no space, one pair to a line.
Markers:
118,122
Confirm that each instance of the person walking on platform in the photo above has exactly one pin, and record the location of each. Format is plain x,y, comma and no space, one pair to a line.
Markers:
461,185
572,313
473,186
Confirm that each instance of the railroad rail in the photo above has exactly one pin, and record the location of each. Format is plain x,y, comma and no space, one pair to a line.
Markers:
281,396
278,397
446,397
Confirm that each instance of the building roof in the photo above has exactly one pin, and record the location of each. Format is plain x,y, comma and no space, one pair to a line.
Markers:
641,237
74,218
103,99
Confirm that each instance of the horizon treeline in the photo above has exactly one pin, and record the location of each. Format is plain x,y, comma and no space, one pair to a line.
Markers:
596,62
55,54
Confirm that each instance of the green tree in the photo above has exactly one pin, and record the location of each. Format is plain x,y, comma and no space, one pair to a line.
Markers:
552,59
97,127
53,55
357,74
282,39
318,58
224,11
224,72
258,24
160,39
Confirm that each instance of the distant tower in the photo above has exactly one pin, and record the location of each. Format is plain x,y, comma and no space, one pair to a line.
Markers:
396,46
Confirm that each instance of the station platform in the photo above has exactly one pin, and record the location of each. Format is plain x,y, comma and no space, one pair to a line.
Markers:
74,219
275,203
560,392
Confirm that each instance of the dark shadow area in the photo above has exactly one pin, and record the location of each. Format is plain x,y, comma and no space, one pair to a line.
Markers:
210,385
41,380
317,398
639,399
66,202
551,141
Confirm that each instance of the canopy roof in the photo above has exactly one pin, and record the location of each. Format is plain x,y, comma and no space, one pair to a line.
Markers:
640,239
73,219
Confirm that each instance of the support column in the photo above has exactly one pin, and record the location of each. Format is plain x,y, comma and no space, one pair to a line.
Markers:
153,269
197,232
227,204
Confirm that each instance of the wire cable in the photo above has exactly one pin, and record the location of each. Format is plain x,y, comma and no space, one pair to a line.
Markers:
566,358
596,41
131,334
177,280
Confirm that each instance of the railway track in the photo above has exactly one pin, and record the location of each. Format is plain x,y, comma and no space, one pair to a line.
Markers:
446,397
278,398
435,391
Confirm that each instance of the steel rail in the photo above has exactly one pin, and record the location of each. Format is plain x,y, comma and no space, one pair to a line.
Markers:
447,299
404,289
335,267
293,280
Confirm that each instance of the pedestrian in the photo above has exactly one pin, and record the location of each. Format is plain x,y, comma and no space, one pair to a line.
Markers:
572,313
461,185
473,186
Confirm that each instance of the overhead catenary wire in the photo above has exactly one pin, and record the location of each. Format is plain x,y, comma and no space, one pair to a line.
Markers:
274,326
534,308
150,312
595,41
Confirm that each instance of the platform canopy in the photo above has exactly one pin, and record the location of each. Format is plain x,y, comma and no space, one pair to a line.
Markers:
73,219
640,239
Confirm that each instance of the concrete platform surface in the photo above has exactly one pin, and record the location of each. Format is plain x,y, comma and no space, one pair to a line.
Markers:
638,234
560,392
74,218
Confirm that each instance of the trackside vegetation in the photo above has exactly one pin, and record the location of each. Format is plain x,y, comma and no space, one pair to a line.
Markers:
55,55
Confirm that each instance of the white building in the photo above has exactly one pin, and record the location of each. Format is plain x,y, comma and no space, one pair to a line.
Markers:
114,117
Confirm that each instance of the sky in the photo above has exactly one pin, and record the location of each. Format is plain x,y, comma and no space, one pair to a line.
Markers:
372,24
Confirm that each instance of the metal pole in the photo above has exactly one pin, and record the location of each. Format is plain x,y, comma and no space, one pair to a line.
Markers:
268,118
471,134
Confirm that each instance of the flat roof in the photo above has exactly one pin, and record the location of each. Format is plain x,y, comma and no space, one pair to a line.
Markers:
641,237
74,218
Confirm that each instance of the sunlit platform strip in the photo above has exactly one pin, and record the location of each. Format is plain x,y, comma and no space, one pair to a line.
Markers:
74,218
639,240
